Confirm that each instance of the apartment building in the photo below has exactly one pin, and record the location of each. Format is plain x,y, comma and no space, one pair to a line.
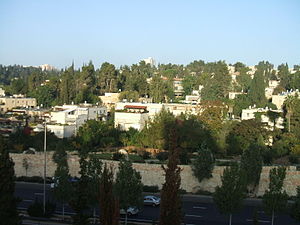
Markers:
11,102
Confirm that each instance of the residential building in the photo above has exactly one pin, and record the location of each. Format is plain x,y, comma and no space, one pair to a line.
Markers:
110,99
250,113
65,120
150,61
233,95
279,99
134,116
2,92
11,102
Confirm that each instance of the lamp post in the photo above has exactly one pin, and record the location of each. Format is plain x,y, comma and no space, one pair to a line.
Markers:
45,167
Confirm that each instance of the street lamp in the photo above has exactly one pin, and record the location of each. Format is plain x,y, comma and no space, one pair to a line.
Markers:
45,167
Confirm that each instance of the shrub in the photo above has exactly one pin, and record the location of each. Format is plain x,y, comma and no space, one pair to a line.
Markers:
145,155
151,188
117,156
36,209
293,159
162,156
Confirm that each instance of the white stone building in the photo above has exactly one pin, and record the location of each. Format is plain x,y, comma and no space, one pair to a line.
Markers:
279,99
65,120
248,114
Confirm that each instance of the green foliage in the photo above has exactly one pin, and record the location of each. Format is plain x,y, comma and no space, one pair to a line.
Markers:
151,189
161,90
63,189
257,89
36,209
240,102
170,208
107,199
189,84
97,134
8,204
129,96
295,212
244,133
275,199
203,165
128,186
162,156
251,164
230,195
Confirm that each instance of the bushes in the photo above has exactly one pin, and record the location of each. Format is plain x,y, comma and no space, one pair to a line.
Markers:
162,156
34,179
151,188
117,156
36,209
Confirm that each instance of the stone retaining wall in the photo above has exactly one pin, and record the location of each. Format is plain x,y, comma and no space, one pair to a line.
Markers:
152,174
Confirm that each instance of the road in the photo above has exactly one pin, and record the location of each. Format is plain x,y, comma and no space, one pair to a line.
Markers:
197,210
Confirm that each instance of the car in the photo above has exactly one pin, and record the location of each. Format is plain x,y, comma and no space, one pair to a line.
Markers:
130,211
151,200
56,181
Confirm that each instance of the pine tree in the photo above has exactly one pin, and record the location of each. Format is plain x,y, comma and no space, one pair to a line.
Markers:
128,186
229,196
8,205
108,202
170,209
63,188
203,165
275,198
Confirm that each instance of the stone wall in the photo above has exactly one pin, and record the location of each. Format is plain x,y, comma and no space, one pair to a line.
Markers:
152,174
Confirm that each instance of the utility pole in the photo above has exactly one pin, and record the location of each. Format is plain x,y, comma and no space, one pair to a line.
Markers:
45,167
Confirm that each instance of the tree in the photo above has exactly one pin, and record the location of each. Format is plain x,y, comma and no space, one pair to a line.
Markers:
8,205
107,200
230,195
295,213
203,165
128,186
26,165
107,78
80,197
161,90
257,89
251,164
275,199
63,188
170,209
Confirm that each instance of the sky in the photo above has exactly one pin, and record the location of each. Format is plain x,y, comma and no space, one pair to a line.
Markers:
57,32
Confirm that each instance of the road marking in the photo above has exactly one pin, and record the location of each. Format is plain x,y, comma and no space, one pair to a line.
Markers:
193,215
260,221
27,200
199,207
38,193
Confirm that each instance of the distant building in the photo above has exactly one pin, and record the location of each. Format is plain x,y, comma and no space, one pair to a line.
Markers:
134,116
11,102
2,92
65,120
233,95
47,67
248,114
110,99
279,99
150,61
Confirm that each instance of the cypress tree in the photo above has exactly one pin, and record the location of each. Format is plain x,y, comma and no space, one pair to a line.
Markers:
170,209
8,205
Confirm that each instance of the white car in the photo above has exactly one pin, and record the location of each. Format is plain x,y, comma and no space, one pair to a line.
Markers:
130,211
151,200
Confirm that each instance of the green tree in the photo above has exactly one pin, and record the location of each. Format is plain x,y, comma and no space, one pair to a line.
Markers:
275,198
161,90
107,199
251,164
170,209
129,96
62,187
257,89
107,78
80,197
128,186
295,213
8,205
230,195
203,165
189,84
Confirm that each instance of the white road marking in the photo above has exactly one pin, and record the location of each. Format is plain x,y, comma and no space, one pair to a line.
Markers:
199,207
193,215
260,221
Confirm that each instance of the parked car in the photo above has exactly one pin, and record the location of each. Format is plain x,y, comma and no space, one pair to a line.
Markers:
55,182
130,211
151,200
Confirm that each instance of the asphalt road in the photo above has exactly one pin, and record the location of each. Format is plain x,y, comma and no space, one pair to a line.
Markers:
197,210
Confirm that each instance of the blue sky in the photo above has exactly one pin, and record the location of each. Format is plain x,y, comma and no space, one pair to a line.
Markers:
34,32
